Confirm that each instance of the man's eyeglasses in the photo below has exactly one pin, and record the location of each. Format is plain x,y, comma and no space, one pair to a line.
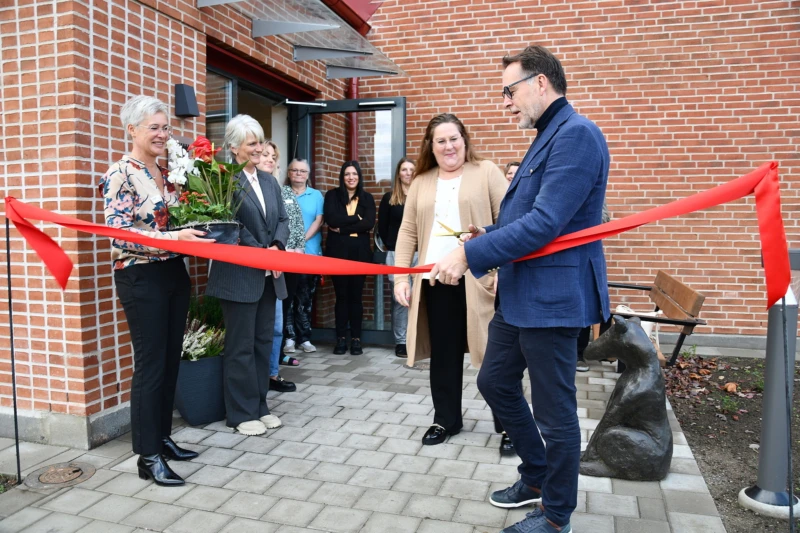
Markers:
154,129
298,170
507,89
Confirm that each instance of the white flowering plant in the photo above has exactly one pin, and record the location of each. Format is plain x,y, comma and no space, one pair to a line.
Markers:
201,340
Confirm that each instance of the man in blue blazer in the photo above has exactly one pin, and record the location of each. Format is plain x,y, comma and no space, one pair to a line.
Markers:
541,303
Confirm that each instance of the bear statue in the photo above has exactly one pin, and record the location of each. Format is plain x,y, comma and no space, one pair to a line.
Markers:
633,440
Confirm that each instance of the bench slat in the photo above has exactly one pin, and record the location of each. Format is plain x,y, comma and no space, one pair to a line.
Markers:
688,299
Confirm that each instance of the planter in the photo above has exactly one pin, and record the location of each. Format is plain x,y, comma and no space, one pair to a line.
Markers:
222,232
198,396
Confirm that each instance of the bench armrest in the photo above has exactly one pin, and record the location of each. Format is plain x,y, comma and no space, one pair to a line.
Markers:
665,320
628,286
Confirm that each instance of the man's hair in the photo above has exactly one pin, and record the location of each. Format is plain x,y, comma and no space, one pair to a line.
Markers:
537,59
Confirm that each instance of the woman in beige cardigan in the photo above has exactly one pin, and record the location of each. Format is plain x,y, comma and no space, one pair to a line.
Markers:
453,188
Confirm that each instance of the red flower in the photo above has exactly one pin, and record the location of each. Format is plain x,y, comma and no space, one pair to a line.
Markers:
202,149
161,217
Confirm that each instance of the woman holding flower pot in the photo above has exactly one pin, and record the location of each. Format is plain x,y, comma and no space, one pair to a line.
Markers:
247,295
152,284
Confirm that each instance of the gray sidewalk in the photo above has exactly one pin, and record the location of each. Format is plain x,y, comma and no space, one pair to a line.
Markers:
348,459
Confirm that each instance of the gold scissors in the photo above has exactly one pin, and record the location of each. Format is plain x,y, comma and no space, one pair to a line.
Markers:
450,231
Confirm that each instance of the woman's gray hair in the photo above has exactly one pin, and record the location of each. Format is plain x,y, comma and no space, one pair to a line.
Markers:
138,108
237,129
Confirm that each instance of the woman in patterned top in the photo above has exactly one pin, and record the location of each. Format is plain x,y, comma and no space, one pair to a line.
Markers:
152,284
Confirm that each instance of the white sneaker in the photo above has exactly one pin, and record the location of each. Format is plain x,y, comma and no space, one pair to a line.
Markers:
289,346
271,421
252,427
308,347
582,366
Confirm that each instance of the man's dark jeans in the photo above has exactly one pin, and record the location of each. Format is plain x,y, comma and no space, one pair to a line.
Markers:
550,354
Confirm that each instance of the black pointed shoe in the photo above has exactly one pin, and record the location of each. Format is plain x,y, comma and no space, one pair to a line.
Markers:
506,446
156,468
400,350
355,347
281,385
341,346
170,450
436,434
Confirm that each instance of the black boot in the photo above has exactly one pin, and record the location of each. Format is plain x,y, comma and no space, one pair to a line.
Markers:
506,446
341,346
156,468
400,350
170,450
355,346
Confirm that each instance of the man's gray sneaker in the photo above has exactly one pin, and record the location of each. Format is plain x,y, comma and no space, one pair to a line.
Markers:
535,522
516,495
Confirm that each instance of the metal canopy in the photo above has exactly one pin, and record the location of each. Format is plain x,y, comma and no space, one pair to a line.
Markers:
334,72
263,28
315,32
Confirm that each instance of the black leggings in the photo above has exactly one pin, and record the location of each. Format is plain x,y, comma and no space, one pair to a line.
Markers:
349,304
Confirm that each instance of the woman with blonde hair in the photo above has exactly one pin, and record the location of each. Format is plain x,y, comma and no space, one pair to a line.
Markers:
453,188
390,216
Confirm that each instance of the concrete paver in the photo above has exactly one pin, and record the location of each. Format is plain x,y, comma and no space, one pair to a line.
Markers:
348,459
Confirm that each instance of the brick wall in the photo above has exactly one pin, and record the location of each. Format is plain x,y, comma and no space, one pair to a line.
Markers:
688,94
67,67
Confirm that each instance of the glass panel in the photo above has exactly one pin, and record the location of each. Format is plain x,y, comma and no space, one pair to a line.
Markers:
219,107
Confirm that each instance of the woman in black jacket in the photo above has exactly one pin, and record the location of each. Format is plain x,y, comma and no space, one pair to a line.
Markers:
349,211
390,216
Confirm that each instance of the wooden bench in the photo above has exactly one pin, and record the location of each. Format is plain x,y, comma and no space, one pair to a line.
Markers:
680,304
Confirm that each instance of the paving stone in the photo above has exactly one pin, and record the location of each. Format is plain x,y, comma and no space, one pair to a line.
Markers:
246,525
214,476
402,446
288,466
340,519
218,456
384,417
100,477
17,499
191,435
435,507
223,440
298,450
415,409
293,512
205,498
410,463
684,466
652,509
331,454
637,525
594,484
480,514
612,504
124,485
682,451
441,451
113,508
293,434
450,468
337,494
351,403
21,519
255,482
362,427
389,523
104,527
684,482
185,468
294,488
464,489
363,442
196,521
592,522
328,424
57,523
257,445
419,483
74,501
255,462
644,489
371,477
419,421
690,503
383,500
394,431
695,523
496,473
329,438
113,449
154,515
377,395
437,526
403,398
370,458
30,454
248,505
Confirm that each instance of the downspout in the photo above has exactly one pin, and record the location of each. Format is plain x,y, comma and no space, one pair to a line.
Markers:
351,93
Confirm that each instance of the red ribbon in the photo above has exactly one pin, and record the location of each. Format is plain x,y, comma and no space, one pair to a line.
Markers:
763,182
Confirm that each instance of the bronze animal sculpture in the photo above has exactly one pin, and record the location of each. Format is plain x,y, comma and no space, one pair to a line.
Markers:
633,439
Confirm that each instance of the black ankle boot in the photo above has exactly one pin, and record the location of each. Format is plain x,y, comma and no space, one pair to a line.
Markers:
156,468
170,450
355,346
341,346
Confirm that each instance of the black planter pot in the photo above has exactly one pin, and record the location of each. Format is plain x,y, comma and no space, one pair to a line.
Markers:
221,232
199,396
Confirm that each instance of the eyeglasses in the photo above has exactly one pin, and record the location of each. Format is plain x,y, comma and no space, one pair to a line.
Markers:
298,170
507,89
154,129
452,140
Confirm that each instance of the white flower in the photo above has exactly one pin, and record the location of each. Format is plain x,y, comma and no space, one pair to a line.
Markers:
179,163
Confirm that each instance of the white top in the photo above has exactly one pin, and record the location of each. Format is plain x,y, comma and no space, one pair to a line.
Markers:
253,179
445,210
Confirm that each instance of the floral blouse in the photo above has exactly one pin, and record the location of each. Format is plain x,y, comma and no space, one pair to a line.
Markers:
297,232
132,202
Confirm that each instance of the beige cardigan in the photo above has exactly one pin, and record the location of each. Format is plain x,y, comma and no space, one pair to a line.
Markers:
482,189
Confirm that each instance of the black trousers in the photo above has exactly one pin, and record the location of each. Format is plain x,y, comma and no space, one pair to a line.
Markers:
249,331
349,304
447,323
155,297
298,318
291,289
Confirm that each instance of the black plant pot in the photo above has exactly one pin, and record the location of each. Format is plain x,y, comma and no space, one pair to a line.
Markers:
199,396
221,232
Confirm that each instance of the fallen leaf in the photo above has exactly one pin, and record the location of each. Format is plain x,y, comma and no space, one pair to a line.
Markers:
704,371
735,417
730,387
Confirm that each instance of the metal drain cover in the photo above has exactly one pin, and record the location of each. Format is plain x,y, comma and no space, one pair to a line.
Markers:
60,475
